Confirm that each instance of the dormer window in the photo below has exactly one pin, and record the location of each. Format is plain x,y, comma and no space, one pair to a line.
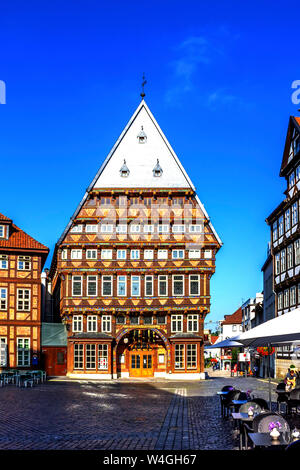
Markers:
124,171
142,137
2,231
157,170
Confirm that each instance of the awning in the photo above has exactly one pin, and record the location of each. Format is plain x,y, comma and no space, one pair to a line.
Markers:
227,343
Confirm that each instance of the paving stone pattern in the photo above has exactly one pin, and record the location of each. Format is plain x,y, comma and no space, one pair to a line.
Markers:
122,415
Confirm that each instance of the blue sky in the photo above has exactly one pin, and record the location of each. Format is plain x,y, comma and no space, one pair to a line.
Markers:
219,84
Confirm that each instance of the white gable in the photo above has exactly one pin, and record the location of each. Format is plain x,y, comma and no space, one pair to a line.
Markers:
141,158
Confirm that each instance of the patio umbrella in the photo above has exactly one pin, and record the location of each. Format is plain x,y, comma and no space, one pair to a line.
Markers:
284,329
226,343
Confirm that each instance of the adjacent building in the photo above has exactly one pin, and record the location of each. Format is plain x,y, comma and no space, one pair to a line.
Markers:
130,275
285,239
252,312
21,262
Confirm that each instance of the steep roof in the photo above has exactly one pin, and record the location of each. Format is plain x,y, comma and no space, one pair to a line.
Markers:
19,239
294,123
235,318
141,160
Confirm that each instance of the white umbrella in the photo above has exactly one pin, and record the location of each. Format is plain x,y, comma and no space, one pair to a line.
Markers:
280,330
275,332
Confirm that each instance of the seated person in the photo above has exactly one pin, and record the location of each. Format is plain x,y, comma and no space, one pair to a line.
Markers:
290,378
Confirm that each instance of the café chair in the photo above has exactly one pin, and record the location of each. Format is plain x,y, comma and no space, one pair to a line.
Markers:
261,403
282,396
293,401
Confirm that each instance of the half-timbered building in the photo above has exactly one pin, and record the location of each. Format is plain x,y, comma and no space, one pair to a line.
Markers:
21,261
131,272
285,236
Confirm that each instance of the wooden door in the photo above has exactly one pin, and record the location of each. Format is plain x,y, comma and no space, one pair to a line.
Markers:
55,361
141,364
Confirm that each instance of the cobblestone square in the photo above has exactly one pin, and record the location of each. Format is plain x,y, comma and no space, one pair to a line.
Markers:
120,415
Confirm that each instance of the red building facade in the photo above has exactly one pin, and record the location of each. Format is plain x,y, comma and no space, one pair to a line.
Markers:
131,272
21,261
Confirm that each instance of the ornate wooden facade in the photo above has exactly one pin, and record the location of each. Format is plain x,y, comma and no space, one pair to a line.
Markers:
131,273
21,261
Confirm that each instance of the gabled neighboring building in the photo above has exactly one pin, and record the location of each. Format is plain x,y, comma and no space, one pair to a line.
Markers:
21,262
231,326
131,272
284,223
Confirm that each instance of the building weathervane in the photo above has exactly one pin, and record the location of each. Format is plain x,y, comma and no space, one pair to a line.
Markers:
143,84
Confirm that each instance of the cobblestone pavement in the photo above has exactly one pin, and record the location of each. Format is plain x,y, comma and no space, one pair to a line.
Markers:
121,414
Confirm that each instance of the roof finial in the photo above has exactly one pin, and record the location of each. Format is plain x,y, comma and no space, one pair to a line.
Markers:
143,84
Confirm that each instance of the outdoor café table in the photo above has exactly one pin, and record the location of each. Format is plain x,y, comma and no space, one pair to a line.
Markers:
240,417
237,403
263,439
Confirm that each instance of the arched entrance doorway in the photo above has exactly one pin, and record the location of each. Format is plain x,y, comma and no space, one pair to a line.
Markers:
142,352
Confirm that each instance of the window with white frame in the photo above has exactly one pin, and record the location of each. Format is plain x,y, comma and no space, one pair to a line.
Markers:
92,323
24,263
78,356
91,254
286,300
148,254
121,254
23,352
92,286
196,228
3,261
194,284
148,285
280,226
90,356
64,253
287,220
135,228
291,180
135,286
106,254
135,254
295,213
76,254
107,286
277,263
107,228
91,228
193,323
280,301
106,324
3,352
3,298
178,254
208,254
76,285
290,257
23,300
297,252
77,324
293,296
275,231
191,356
194,254
162,254
179,356
176,323
2,231
178,228
121,285
76,229
148,228
121,228
162,285
178,284
163,229
283,260
102,356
